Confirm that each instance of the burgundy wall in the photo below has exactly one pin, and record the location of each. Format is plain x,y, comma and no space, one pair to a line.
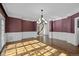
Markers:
13,24
58,26
19,25
54,26
34,26
51,25
64,25
28,26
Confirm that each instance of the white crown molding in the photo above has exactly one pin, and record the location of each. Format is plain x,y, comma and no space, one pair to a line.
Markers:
21,18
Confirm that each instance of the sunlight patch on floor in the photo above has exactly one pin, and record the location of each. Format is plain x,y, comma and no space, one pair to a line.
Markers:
31,48
62,54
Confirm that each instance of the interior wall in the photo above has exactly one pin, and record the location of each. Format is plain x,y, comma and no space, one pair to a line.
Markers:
28,26
13,25
3,17
64,29
19,25
15,36
2,32
18,29
63,25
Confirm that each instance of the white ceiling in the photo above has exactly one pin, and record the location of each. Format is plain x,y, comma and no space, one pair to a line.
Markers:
31,11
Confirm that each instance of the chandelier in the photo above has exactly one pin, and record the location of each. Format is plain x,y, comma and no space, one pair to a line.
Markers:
41,22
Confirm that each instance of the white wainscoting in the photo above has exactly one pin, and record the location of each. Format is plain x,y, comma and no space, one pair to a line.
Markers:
29,34
15,36
2,32
69,37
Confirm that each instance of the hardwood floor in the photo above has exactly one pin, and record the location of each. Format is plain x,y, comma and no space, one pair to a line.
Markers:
62,45
40,46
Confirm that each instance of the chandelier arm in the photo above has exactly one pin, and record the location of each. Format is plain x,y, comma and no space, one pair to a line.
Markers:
41,29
